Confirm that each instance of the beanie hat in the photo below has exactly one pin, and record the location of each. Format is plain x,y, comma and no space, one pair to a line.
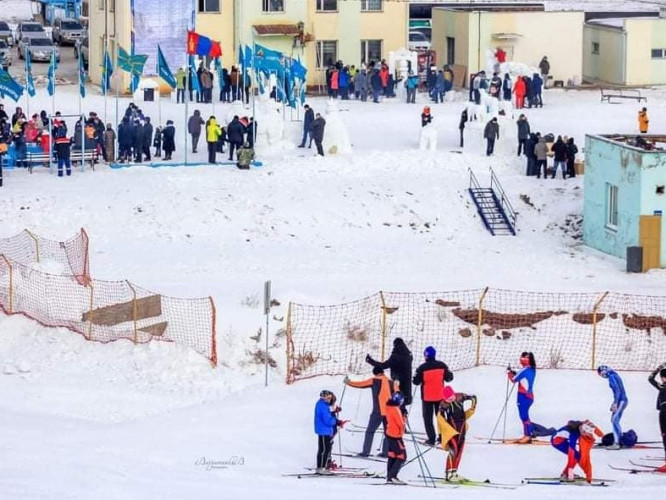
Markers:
429,352
377,370
448,394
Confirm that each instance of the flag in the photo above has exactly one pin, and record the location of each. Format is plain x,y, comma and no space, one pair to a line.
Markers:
298,70
261,52
82,76
194,78
29,82
241,60
220,74
131,63
202,45
107,71
303,93
51,75
9,86
163,69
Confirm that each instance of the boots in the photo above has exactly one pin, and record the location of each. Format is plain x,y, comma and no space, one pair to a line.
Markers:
525,440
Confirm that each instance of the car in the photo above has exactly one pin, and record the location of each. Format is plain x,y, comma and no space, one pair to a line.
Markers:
30,29
5,55
67,31
418,41
40,49
81,45
6,33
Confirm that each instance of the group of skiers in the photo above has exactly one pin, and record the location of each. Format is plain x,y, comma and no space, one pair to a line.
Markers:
452,411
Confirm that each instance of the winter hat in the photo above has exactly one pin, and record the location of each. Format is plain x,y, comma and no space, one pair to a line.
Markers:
448,394
377,370
426,110
398,398
325,393
430,352
603,370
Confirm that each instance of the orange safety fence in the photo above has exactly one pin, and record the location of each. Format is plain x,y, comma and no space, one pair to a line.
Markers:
479,327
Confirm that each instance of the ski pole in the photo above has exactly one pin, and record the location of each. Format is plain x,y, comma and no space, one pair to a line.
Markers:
344,389
508,395
499,418
427,449
419,456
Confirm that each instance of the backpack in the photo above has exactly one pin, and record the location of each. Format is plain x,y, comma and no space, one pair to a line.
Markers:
628,439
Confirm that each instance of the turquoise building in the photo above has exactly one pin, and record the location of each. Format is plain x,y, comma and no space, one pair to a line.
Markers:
624,196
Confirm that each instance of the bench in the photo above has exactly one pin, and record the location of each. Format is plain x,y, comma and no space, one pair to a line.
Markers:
75,156
608,94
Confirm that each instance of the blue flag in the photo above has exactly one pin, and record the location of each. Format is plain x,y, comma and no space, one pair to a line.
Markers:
29,82
163,69
303,94
247,60
298,70
82,76
9,87
51,74
194,77
220,75
131,63
107,71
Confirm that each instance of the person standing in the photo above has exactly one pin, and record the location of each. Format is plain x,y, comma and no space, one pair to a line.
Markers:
643,121
212,135
525,380
576,440
620,402
206,85
461,126
137,140
361,85
147,138
541,153
431,376
376,84
661,402
382,389
491,134
537,84
523,133
169,139
157,142
507,86
519,91
572,149
452,425
325,424
109,144
544,67
530,144
400,364
181,78
560,157
233,80
335,82
318,126
411,84
394,425
251,132
124,140
194,128
235,133
63,145
307,126
5,139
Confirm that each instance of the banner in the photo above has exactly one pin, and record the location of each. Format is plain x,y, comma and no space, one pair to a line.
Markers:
29,82
107,71
53,66
163,69
82,76
9,87
200,45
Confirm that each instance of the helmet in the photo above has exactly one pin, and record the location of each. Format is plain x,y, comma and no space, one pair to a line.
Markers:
398,398
325,393
448,394
603,370
429,352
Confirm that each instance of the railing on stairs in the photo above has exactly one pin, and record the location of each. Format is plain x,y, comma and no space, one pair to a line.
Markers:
493,205
503,199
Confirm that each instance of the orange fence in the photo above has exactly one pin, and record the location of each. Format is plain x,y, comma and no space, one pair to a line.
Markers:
479,327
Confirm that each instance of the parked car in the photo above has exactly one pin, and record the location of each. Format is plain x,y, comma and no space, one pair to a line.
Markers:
40,49
81,45
418,41
6,33
5,54
67,31
30,29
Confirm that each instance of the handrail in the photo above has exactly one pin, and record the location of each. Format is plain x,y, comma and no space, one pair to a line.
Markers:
503,199
473,182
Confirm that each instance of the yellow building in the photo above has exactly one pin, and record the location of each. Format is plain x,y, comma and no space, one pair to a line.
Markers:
526,32
628,51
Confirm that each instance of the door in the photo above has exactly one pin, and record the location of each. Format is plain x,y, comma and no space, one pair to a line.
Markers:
650,240
450,50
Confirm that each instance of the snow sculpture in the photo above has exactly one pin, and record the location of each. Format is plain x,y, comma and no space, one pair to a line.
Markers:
428,141
336,135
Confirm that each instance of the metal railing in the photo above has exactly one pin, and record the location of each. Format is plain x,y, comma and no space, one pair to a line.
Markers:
503,199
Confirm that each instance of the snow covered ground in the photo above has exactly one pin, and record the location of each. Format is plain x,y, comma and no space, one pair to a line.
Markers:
86,420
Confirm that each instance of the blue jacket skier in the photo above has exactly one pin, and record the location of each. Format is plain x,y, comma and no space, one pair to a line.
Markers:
325,424
525,380
620,401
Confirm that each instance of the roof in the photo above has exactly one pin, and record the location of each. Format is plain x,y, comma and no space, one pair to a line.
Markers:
276,29
617,6
618,22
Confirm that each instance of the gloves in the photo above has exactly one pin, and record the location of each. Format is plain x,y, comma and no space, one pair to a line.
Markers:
613,407
368,358
337,410
342,423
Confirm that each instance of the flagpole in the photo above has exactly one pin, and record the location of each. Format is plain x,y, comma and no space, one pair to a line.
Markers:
83,124
51,166
187,103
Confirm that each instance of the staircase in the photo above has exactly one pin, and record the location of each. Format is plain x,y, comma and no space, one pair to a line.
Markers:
493,205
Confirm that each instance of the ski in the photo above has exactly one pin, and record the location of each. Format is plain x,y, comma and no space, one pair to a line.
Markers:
410,484
577,478
470,482
347,475
634,447
363,428
512,441
560,482
634,470
653,467
341,469
351,455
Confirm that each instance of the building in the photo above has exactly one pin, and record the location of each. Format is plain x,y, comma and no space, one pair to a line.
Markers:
625,51
463,35
624,197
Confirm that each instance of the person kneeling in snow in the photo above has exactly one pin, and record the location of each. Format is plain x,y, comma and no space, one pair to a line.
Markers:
245,156
452,426
428,132
575,440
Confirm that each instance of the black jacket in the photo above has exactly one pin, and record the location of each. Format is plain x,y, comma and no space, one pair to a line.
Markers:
431,384
426,119
560,151
661,398
308,119
317,130
235,132
169,139
400,364
147,135
124,135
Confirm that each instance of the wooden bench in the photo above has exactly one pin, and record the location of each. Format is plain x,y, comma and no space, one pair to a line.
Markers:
608,94
75,156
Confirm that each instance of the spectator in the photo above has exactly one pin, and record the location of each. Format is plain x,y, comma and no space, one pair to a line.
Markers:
194,128
251,132
560,157
124,140
169,139
507,85
147,138
541,152
318,126
544,66
109,144
411,84
335,83
519,91
157,142
523,132
307,126
213,133
537,84
245,156
643,121
572,149
463,119
491,133
235,132
181,76
361,85
376,84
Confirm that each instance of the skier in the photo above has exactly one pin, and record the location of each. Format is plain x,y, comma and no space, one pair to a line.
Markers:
452,425
431,376
400,364
382,390
325,425
620,402
661,403
643,121
428,139
575,440
525,380
394,423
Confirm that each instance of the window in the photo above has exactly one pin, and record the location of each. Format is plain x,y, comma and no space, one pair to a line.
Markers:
101,4
595,47
658,53
611,206
327,53
209,5
273,5
327,5
371,5
371,51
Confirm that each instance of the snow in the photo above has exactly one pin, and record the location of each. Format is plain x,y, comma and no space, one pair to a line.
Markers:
15,11
116,420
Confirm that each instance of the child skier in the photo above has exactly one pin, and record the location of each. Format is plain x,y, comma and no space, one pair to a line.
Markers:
394,423
575,440
661,403
620,402
325,425
525,380
452,425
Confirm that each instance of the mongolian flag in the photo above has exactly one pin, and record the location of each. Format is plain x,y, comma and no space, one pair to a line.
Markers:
202,45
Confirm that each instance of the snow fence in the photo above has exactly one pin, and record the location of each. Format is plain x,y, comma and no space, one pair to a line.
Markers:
50,283
479,327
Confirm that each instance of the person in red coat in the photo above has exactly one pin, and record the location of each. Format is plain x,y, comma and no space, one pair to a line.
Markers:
335,82
519,91
500,55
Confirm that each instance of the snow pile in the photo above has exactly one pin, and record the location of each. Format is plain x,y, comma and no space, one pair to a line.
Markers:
336,136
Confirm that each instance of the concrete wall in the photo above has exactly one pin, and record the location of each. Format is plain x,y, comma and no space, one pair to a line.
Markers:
455,25
609,64
643,36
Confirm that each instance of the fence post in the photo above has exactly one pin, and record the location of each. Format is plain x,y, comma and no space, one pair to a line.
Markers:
382,323
34,238
135,311
11,285
479,325
289,353
90,318
594,329
213,341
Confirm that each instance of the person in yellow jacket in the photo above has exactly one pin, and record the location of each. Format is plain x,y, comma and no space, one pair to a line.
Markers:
452,425
213,132
643,121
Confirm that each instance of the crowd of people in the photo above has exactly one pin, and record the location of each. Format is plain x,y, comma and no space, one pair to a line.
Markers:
234,85
374,79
